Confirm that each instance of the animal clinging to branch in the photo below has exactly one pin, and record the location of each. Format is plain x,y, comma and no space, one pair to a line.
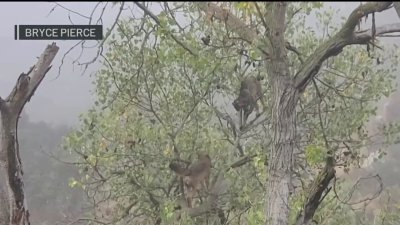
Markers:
250,93
195,177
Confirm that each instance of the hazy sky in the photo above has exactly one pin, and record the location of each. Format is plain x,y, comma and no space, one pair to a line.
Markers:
61,100
58,100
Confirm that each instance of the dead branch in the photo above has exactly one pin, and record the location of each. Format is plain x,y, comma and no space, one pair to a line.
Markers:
335,45
10,109
354,187
27,83
316,193
82,43
366,35
154,17
242,161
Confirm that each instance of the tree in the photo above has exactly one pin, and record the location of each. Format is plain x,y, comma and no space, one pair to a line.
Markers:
163,80
17,212
287,90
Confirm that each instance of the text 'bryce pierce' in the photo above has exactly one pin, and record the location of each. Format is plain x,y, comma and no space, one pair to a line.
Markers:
58,32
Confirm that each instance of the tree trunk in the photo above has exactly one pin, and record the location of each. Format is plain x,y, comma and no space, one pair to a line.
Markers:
280,163
16,211
10,164
4,210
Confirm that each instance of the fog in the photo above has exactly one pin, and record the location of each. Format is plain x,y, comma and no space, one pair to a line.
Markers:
59,99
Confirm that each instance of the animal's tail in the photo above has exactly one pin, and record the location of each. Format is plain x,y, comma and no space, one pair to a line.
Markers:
178,169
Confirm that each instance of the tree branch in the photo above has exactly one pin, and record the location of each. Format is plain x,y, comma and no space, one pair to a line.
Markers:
154,17
242,161
27,83
10,109
366,35
335,45
360,12
232,22
236,25
397,7
316,192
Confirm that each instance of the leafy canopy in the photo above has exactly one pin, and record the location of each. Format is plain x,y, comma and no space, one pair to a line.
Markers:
158,95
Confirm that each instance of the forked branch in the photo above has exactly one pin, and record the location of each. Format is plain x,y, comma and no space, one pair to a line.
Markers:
27,83
335,45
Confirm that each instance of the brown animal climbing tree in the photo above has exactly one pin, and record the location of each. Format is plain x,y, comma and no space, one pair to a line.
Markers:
10,161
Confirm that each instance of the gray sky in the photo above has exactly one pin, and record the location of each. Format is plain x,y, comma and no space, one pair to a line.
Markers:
57,101
61,100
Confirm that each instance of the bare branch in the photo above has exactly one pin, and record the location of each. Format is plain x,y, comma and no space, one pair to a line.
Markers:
100,43
167,8
27,83
154,17
360,12
352,190
100,50
242,161
335,45
70,11
367,34
316,193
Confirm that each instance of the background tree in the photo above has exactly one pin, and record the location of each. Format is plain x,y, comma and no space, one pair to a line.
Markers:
41,155
164,89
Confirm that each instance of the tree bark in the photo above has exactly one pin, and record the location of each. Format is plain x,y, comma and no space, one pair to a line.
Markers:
10,161
280,159
280,163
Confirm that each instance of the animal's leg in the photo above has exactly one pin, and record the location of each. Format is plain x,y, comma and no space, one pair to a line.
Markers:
208,182
199,195
241,122
246,115
257,109
247,111
189,196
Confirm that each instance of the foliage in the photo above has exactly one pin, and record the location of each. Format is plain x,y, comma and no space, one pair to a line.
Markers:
157,101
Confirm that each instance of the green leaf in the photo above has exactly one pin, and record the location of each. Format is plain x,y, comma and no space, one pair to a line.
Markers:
315,154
